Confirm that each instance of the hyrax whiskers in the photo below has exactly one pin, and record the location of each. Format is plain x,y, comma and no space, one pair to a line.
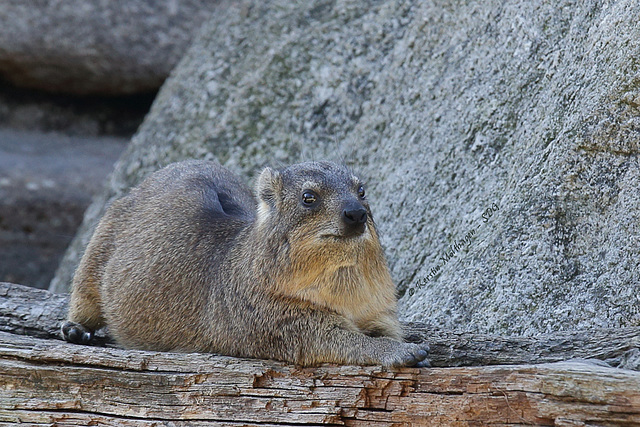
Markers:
191,260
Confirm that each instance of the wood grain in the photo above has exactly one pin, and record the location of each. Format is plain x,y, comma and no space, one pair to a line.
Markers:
45,381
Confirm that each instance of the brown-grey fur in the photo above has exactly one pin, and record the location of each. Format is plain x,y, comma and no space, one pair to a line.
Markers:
190,260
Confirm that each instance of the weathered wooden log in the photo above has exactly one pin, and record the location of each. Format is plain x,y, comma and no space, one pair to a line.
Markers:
39,313
47,381
30,311
52,382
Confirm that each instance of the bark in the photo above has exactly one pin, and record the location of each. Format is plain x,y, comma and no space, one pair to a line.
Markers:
48,381
30,311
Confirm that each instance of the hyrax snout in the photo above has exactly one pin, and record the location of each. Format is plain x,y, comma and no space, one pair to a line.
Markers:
192,260
354,217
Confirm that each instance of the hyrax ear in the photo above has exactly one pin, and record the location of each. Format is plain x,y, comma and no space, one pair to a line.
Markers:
269,187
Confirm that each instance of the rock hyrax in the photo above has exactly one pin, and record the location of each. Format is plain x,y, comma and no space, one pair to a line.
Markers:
190,260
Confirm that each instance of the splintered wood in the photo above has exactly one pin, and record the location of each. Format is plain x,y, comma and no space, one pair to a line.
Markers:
52,382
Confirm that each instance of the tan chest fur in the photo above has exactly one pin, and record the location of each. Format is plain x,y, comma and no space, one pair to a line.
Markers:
351,279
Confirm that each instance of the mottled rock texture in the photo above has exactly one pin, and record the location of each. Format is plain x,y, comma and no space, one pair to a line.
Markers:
106,46
523,113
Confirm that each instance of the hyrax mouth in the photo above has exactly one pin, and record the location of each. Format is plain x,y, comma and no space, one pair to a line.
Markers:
348,234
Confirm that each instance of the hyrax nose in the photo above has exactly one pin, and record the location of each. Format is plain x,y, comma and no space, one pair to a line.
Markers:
355,217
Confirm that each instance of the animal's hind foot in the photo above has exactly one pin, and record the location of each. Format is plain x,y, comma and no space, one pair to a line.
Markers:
76,333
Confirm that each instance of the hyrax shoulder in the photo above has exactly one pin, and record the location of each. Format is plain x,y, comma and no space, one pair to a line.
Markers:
191,260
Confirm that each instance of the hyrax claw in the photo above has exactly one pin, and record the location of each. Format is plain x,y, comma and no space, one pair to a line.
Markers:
76,333
407,355
424,364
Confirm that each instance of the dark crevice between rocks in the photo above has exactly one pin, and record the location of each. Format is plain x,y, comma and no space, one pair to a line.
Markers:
88,115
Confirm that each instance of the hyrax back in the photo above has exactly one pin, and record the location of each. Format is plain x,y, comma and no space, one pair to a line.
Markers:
186,262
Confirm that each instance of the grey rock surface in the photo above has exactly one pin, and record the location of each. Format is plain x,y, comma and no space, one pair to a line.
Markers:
108,47
46,183
55,153
500,141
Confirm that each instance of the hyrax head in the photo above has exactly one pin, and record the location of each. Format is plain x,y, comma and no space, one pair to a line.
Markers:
320,203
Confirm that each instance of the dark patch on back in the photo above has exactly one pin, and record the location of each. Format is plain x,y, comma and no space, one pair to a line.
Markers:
230,206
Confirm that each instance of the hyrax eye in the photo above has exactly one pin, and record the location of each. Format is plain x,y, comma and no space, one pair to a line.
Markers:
361,192
309,198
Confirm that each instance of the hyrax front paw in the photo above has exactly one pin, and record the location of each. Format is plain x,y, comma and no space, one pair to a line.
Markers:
407,354
76,333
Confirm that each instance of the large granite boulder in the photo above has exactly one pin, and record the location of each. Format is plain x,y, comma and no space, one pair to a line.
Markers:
500,141
107,47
